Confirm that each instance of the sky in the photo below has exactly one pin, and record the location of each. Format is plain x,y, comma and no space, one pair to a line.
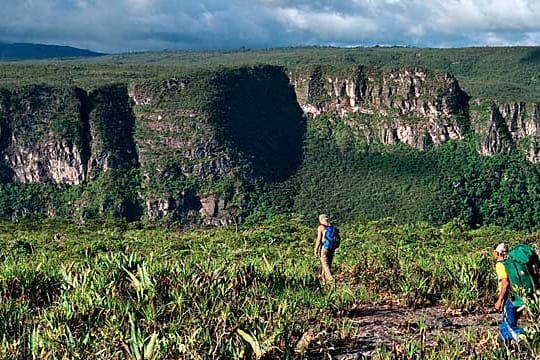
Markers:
116,26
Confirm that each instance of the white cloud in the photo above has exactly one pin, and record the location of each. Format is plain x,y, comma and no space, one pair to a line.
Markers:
109,25
329,25
142,7
481,15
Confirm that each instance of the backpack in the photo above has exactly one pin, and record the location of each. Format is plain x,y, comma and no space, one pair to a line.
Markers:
331,237
523,268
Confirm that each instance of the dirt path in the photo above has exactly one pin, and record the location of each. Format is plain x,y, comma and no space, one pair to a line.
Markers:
369,327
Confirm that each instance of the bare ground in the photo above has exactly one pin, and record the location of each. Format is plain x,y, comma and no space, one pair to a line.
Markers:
366,328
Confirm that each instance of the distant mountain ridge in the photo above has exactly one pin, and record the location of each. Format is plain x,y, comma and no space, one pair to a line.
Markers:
28,51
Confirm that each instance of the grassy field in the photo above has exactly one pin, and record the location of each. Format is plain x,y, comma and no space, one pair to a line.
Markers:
509,73
117,290
501,73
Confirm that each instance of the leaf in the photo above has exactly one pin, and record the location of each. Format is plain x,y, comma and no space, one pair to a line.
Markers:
252,341
149,349
136,283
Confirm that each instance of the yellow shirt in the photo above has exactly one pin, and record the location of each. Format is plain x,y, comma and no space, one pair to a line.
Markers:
500,269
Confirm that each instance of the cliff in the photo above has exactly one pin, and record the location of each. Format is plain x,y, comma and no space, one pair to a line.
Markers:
42,136
204,141
415,107
198,143
410,106
198,147
503,126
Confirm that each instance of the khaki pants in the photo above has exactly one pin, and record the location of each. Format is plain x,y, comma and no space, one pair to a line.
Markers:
326,262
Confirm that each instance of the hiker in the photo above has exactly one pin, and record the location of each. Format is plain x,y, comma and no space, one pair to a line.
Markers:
327,241
509,330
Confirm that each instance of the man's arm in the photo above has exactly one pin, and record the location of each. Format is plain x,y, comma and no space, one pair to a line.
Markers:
318,240
502,295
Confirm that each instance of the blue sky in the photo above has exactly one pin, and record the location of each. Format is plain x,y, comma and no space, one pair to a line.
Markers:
136,25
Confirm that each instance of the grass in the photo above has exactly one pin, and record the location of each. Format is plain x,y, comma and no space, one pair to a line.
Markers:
502,73
112,290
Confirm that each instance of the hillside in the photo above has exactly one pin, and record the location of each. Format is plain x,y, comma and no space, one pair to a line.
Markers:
27,51
211,144
189,149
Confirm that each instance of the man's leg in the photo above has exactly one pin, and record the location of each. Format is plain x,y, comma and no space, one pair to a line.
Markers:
510,317
330,258
326,274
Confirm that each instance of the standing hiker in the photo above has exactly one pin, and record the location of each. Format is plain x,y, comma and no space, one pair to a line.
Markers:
327,242
509,330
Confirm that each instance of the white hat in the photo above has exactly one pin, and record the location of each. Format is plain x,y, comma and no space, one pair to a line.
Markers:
323,218
502,248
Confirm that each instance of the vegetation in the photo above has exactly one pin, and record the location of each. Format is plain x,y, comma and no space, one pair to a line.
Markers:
501,73
352,179
112,194
116,289
126,291
85,76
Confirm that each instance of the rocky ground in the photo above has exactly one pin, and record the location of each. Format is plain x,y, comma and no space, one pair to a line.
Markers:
370,327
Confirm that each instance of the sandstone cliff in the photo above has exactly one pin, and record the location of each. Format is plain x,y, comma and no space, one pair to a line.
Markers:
196,146
503,126
410,106
202,142
42,136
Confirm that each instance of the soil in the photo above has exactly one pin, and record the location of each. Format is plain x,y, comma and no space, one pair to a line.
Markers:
370,327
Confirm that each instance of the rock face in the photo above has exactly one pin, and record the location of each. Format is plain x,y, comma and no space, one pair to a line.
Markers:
410,106
203,142
42,136
177,146
65,136
194,147
111,121
504,126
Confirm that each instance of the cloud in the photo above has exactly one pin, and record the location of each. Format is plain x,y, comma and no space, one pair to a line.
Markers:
128,25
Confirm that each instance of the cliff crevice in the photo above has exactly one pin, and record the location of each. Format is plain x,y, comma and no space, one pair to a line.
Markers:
504,126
